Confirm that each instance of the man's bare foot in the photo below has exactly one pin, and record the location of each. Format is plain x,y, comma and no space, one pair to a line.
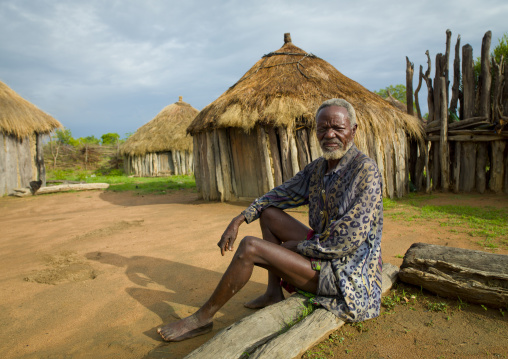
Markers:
264,301
186,328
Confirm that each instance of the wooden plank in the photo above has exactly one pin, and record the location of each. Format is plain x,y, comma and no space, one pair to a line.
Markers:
226,166
505,181
25,163
265,159
381,166
443,137
217,160
467,167
303,147
389,169
485,76
481,165
210,160
205,185
39,159
11,168
287,169
293,152
468,85
471,275
275,156
497,168
315,148
436,165
470,138
456,78
246,338
198,172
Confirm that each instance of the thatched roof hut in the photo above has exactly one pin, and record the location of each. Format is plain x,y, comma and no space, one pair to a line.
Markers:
162,146
22,126
262,129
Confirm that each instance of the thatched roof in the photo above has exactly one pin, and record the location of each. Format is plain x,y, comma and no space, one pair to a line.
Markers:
164,133
291,84
20,118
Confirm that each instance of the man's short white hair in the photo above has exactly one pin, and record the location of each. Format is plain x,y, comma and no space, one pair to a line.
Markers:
340,102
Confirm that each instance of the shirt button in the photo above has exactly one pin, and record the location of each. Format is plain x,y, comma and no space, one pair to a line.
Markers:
321,212
323,191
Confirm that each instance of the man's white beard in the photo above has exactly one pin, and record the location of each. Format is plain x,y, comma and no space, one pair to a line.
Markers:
335,154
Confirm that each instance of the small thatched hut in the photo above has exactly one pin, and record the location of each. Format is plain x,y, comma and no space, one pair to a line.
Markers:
162,146
22,127
261,131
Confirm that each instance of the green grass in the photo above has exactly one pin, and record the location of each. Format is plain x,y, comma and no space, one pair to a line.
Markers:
488,226
119,182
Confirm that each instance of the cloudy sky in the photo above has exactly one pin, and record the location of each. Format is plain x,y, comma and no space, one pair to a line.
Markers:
110,66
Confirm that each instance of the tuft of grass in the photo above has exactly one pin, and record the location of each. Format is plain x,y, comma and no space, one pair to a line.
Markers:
307,309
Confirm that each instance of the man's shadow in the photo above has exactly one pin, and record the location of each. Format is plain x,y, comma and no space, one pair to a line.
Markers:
195,283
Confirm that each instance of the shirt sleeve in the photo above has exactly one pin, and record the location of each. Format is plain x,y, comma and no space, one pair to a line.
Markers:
344,235
292,193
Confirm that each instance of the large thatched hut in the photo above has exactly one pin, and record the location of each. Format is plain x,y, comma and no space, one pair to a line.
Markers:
261,131
22,128
162,146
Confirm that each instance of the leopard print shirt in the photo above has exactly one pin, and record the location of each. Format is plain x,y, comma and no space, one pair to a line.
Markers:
347,217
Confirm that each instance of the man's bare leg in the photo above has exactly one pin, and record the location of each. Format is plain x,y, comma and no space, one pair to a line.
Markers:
277,227
284,263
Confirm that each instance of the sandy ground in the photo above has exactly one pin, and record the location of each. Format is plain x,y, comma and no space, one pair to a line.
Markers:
93,274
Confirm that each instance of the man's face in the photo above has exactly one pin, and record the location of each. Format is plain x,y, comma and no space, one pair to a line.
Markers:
334,132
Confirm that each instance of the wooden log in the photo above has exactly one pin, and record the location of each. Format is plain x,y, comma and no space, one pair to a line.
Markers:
205,186
381,167
400,164
470,275
505,181
497,89
456,78
436,164
409,86
22,192
470,138
217,161
497,168
437,90
418,179
430,90
210,157
24,162
247,337
504,96
473,121
287,169
3,166
485,76
266,165
467,167
468,81
226,164
293,152
481,165
428,183
443,138
275,155
456,167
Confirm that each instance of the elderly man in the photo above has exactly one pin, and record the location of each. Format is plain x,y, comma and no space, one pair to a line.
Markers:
338,259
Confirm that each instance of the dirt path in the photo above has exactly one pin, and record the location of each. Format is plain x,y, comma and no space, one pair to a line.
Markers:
93,274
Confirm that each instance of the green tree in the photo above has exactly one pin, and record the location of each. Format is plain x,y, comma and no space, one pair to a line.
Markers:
110,138
91,140
64,137
397,91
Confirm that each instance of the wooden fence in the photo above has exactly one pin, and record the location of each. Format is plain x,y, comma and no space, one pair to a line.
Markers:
467,129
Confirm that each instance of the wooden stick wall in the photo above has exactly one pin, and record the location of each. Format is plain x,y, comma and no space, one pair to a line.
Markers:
160,164
466,146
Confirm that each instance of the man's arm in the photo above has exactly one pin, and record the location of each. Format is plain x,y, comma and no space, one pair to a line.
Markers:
229,236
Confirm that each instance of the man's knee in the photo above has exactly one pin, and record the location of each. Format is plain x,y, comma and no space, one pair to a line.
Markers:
248,246
271,213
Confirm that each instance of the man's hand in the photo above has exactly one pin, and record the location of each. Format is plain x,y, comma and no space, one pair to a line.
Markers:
229,236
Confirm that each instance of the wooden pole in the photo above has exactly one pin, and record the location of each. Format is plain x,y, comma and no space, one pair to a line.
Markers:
210,156
409,86
468,81
293,152
446,65
218,170
497,90
467,167
430,90
197,166
303,147
456,167
417,101
481,164
497,168
315,148
206,170
456,78
443,141
485,76
390,170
